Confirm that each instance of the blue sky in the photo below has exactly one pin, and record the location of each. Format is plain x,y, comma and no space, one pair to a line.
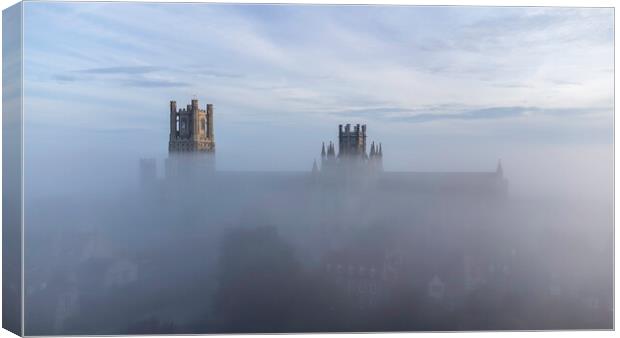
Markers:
444,88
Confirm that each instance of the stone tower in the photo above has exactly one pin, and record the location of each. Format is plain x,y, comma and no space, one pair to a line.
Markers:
352,151
191,128
352,143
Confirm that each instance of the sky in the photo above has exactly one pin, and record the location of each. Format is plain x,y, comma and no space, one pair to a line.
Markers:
443,88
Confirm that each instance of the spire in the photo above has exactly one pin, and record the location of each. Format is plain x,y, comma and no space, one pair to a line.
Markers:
372,149
315,168
380,161
499,171
331,151
323,150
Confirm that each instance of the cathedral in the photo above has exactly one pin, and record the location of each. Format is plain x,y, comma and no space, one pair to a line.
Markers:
346,188
350,161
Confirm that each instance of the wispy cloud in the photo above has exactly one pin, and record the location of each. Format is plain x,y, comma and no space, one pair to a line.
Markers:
152,83
322,63
498,113
120,70
209,71
64,77
513,85
134,76
365,112
486,113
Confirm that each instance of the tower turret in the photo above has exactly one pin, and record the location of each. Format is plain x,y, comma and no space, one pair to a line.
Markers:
331,153
173,120
191,129
210,134
196,117
352,142
352,148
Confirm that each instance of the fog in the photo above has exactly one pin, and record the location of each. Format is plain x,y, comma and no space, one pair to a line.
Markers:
112,249
255,240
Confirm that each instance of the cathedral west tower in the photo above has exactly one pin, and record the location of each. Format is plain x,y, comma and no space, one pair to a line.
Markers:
191,128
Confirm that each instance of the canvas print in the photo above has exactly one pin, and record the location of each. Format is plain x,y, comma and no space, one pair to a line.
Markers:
201,168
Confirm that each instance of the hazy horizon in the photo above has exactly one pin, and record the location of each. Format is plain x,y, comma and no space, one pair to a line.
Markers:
443,88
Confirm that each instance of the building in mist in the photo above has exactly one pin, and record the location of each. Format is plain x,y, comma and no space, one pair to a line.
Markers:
191,157
365,249
349,180
191,147
191,129
351,152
